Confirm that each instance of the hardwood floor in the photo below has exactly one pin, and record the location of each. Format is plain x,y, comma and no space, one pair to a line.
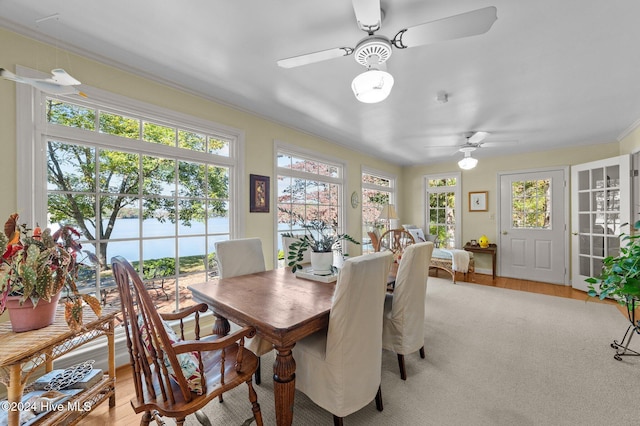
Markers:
122,413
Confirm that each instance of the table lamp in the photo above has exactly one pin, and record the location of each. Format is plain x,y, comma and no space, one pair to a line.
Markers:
388,212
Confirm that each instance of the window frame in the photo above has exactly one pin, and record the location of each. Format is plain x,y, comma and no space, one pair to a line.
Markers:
32,133
281,147
391,189
457,190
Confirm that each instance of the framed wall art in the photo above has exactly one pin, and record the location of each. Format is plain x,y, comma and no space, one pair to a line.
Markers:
259,194
478,201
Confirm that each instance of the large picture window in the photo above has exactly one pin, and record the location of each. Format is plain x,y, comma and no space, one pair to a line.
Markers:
310,187
378,190
443,208
139,182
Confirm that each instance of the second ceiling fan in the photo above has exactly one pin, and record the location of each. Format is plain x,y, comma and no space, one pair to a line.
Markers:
373,51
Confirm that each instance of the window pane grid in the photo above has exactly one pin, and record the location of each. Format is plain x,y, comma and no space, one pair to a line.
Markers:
307,189
531,204
441,195
377,191
157,212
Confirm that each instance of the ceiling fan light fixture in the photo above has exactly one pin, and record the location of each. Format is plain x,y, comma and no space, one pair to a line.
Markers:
372,86
468,162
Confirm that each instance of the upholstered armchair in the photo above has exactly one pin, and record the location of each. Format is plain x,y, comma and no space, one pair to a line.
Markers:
340,368
242,257
404,310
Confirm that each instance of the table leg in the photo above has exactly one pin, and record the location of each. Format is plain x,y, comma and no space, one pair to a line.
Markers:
493,258
221,327
284,385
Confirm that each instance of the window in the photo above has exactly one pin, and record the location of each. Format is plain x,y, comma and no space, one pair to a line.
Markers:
378,190
442,201
151,185
531,204
309,188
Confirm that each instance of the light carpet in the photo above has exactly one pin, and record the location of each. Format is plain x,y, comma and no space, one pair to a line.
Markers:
494,357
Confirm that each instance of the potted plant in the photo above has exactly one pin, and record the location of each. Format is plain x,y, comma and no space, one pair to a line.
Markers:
620,276
620,280
320,237
36,267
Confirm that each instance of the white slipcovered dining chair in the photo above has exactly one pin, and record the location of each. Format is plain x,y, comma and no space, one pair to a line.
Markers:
242,257
404,310
339,368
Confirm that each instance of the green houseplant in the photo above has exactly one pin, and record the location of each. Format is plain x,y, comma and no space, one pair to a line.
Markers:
620,280
320,237
37,265
620,276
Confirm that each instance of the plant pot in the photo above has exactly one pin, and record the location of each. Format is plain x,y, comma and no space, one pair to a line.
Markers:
321,262
27,318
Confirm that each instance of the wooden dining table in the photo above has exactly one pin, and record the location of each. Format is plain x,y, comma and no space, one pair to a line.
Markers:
283,309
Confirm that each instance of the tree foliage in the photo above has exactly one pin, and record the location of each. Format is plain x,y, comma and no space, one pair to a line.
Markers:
126,183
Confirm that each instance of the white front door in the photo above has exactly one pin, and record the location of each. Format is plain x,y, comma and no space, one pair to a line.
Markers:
533,231
600,200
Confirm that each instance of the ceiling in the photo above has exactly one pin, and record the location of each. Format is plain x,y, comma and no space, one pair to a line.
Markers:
547,74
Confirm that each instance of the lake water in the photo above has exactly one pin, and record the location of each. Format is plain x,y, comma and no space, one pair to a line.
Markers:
191,239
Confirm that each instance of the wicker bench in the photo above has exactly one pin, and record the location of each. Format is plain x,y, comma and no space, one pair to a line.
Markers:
442,260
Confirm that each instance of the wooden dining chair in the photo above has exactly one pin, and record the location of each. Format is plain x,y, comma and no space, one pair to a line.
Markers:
404,309
243,256
174,377
373,236
396,241
339,368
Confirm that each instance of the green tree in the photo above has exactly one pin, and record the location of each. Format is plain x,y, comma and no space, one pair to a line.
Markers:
127,182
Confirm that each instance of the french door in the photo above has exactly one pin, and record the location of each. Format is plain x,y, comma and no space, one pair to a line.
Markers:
600,200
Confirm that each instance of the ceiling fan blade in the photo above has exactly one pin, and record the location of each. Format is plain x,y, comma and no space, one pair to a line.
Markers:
368,14
310,58
478,137
463,25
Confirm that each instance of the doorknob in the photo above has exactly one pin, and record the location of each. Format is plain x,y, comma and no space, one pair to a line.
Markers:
504,232
574,233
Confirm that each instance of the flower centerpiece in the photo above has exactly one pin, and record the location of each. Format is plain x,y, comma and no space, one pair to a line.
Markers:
320,237
37,265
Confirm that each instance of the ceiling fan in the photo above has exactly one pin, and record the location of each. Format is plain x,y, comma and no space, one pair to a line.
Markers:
60,83
375,49
474,141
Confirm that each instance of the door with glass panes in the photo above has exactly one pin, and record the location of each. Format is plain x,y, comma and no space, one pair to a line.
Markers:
600,194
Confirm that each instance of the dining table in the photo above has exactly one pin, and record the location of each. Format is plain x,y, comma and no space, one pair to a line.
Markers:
283,309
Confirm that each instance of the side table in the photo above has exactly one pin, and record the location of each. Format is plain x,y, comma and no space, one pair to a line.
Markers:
21,355
492,250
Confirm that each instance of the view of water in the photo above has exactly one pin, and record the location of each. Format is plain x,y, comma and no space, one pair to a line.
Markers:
191,240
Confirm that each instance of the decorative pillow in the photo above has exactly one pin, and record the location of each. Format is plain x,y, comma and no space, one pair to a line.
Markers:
417,234
188,361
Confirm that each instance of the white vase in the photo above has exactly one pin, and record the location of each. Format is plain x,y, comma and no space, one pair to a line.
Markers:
321,262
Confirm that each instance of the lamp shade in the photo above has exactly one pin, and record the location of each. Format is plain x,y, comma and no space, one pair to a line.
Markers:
388,212
372,86
467,163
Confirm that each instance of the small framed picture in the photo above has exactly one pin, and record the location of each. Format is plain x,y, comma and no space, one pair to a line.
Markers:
478,201
259,194
473,243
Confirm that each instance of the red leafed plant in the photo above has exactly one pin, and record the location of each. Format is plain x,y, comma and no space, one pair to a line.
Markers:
37,265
